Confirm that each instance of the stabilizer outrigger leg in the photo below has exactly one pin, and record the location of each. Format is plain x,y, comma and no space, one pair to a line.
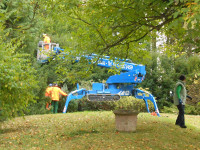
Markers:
77,94
146,96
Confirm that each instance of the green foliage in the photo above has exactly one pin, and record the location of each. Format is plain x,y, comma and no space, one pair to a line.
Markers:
160,79
189,109
18,77
17,82
18,19
38,107
126,102
73,106
192,110
119,29
163,73
85,105
129,102
172,109
194,90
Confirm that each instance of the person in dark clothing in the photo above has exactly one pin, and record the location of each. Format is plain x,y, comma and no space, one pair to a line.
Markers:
180,94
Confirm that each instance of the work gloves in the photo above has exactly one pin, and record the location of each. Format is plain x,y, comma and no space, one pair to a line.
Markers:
180,101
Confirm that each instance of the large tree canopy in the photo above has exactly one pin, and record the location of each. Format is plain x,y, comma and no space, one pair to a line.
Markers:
124,28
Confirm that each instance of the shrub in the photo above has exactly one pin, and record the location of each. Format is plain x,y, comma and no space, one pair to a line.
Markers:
130,102
84,104
171,109
189,109
126,102
192,110
37,108
73,106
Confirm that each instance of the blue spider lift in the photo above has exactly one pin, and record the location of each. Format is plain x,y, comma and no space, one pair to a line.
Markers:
117,85
123,84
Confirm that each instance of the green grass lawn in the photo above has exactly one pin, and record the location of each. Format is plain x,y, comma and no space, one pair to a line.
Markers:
96,130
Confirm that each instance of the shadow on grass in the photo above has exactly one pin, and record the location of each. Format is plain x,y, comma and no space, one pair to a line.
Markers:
80,133
4,131
18,129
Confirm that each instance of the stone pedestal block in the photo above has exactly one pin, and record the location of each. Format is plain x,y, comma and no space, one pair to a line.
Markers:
126,120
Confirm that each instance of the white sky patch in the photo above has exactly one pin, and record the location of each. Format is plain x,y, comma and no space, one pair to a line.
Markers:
161,40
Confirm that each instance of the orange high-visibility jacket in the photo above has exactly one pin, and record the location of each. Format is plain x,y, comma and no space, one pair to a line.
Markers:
48,91
55,91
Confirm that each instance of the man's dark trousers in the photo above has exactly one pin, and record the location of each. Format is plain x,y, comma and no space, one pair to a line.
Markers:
180,119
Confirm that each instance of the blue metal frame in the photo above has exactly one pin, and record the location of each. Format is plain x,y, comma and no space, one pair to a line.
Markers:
122,84
124,90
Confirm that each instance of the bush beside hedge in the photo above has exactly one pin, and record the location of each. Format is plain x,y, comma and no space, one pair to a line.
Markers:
127,102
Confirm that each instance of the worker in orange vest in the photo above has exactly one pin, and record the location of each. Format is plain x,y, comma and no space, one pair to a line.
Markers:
48,94
47,40
55,91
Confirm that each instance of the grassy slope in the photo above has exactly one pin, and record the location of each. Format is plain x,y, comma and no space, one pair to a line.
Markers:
96,130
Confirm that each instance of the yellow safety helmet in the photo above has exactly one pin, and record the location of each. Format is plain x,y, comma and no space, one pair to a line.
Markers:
44,34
